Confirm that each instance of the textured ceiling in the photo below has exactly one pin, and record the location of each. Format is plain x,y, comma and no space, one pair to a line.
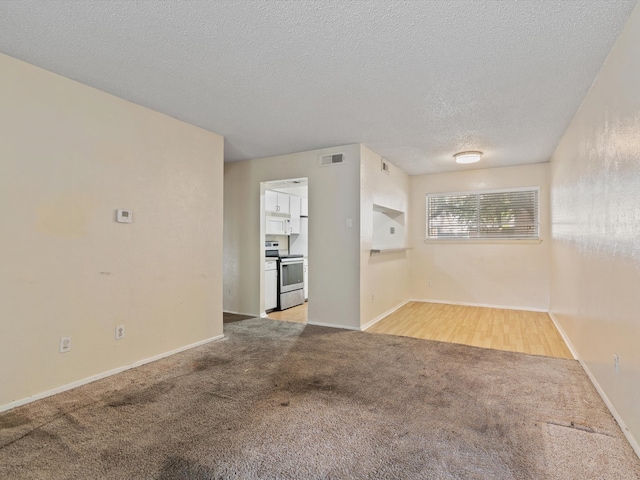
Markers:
414,81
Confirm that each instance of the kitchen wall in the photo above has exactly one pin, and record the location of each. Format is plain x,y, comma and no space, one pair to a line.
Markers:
70,156
384,278
595,265
334,198
509,274
299,191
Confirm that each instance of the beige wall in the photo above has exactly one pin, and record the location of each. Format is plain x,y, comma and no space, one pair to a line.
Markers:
596,226
383,278
70,156
507,274
334,197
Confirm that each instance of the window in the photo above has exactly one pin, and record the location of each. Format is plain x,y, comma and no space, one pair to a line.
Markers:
494,214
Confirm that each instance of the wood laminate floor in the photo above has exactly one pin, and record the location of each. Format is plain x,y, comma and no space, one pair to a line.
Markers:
500,329
294,314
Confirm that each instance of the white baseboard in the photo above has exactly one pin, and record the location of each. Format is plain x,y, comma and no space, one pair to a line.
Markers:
486,305
93,378
564,337
240,313
333,325
382,315
632,440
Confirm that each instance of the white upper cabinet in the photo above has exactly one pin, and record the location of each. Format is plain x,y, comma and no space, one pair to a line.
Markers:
270,201
276,202
304,207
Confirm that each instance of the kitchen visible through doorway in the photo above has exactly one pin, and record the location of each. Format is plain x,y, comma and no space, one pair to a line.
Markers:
285,217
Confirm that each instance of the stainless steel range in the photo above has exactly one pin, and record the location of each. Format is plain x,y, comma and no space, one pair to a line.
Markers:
290,276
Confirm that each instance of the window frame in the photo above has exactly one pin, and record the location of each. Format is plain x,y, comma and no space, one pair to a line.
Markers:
535,238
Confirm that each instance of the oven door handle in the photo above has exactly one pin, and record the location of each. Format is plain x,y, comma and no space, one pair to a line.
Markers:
289,261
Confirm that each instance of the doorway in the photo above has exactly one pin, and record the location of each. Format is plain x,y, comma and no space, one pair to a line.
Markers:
285,242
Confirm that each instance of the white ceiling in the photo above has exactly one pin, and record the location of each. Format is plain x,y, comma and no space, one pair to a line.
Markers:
415,81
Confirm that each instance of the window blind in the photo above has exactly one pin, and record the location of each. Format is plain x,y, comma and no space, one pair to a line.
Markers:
495,214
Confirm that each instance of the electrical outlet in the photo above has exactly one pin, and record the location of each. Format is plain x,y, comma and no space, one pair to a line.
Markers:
65,344
229,291
119,332
616,362
428,283
349,223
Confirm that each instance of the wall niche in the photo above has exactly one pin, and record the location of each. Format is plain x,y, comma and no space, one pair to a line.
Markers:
388,230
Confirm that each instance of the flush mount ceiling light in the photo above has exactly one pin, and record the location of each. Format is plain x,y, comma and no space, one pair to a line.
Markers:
467,157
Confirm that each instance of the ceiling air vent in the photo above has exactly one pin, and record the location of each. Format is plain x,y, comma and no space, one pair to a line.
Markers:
332,159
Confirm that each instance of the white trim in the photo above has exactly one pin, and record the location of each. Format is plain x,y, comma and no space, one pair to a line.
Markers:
99,376
486,305
481,192
333,325
623,426
381,316
564,337
480,241
240,313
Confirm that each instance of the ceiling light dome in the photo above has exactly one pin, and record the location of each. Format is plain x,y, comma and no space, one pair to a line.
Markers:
467,157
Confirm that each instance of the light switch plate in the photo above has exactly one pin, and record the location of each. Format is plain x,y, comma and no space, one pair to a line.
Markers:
65,344
124,216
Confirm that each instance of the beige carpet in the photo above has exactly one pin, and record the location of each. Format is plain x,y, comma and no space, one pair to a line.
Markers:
285,400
